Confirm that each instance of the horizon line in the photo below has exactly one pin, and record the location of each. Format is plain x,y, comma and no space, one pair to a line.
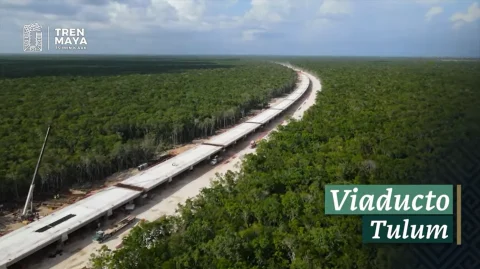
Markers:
235,55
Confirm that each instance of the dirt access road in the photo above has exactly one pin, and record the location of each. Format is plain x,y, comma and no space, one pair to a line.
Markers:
166,198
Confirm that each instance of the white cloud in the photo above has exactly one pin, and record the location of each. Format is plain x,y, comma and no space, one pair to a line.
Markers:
269,11
153,17
432,12
191,10
430,2
17,2
332,7
472,14
318,23
138,17
249,35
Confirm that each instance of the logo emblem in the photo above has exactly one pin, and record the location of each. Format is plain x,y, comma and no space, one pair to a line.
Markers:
32,37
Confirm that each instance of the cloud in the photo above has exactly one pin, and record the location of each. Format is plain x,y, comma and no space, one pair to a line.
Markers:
251,34
268,11
97,2
318,23
247,19
430,2
432,12
129,15
232,26
190,10
334,7
472,14
66,8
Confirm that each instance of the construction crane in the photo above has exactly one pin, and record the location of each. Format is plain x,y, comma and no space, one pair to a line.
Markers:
28,213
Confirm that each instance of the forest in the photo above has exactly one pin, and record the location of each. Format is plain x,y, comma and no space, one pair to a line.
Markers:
109,114
377,121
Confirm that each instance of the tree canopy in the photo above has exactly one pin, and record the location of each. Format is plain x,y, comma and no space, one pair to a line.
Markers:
103,123
375,122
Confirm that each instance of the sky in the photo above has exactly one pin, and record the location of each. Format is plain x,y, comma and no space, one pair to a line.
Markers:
411,28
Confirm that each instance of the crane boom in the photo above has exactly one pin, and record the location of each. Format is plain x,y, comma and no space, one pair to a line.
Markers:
32,186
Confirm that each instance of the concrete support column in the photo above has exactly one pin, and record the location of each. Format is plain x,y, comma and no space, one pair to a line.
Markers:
3,266
64,237
109,212
169,179
60,244
191,168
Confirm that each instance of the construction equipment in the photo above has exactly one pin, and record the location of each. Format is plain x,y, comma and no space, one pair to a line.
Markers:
52,205
101,236
142,166
253,144
161,158
27,213
130,207
216,160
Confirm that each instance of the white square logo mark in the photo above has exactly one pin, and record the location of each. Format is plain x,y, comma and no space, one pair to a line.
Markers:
32,37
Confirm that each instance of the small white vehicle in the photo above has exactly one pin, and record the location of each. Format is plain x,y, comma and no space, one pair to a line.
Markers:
216,160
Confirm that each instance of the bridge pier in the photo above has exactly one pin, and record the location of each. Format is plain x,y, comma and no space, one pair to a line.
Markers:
64,237
60,244
109,213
